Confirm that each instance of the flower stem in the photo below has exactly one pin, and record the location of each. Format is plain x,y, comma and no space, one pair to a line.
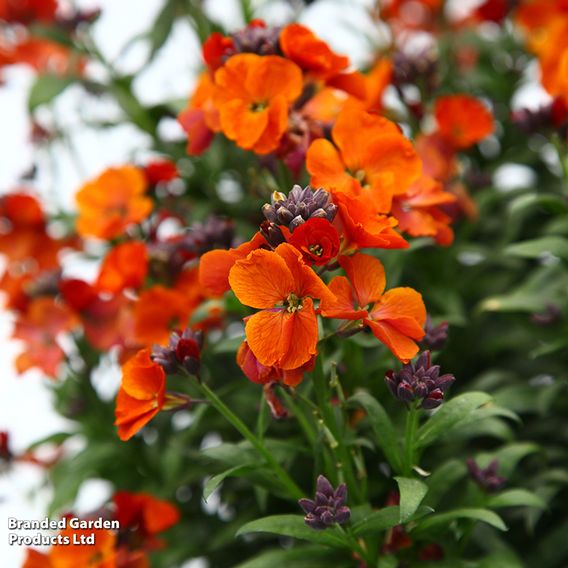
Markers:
294,491
409,435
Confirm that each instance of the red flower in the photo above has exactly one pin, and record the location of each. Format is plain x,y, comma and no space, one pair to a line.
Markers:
160,171
317,239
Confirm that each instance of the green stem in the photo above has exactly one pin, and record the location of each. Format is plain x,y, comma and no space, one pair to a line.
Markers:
294,491
355,546
345,462
409,435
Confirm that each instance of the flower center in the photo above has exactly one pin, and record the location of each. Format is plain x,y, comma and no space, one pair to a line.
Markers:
361,177
258,106
316,250
293,303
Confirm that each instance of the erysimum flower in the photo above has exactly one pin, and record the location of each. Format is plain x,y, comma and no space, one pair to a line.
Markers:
252,94
370,157
101,554
396,317
125,266
317,239
144,515
463,120
27,11
360,227
141,396
418,211
285,333
111,202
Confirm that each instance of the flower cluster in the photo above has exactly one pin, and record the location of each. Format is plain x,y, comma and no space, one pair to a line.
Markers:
420,381
328,507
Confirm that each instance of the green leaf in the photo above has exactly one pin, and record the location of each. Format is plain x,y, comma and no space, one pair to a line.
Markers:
537,247
443,479
438,520
516,498
295,527
213,482
378,521
162,27
412,491
385,433
57,439
451,415
46,88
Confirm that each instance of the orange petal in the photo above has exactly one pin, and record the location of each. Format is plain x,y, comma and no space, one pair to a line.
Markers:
399,344
323,162
132,414
344,306
282,339
262,280
142,378
404,308
306,281
367,275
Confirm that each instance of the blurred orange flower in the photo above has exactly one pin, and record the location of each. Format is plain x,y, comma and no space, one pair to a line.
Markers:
252,94
38,327
141,395
101,554
111,202
285,333
396,317
463,120
125,266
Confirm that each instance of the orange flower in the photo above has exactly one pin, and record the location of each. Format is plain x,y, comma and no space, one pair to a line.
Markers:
125,266
371,157
200,118
144,514
215,265
262,375
312,54
99,555
285,333
396,317
111,202
463,120
378,79
361,227
141,395
252,94
38,327
158,311
42,55
418,212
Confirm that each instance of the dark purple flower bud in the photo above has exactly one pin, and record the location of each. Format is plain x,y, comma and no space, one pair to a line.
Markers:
436,335
183,349
257,39
300,205
419,381
486,478
272,233
328,507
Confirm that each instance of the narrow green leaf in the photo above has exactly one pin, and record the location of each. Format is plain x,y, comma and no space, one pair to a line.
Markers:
438,520
412,491
212,483
162,27
378,521
385,433
294,526
516,498
537,247
451,415
46,88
